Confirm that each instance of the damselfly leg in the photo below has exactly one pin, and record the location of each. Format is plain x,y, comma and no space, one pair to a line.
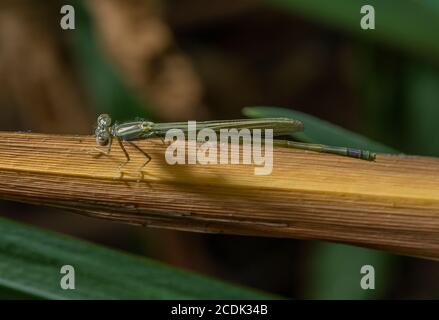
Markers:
147,156
127,156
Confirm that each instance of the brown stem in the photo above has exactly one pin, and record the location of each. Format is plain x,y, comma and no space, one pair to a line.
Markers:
391,204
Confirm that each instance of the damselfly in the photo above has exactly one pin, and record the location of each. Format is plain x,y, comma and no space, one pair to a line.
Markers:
106,132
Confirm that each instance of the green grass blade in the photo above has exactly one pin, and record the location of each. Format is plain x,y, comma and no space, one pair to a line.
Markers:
319,131
30,262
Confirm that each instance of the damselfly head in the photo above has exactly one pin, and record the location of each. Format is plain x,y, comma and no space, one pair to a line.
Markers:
102,137
104,120
103,130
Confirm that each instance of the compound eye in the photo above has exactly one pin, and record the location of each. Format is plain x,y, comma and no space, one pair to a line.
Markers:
102,140
104,120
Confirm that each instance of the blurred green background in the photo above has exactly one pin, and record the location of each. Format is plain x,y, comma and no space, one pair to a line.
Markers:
174,60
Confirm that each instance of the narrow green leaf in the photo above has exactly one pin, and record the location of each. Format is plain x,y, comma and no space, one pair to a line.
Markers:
30,262
319,131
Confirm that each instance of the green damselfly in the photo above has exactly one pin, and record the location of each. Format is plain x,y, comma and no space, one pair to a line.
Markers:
131,131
